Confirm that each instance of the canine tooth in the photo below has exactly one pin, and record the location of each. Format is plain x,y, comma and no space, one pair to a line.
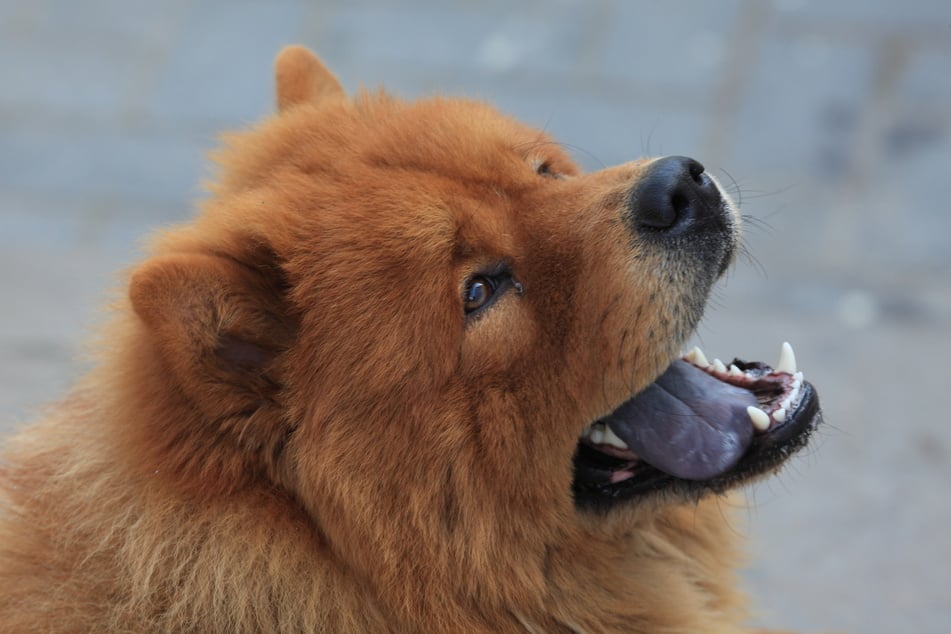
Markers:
787,359
596,435
718,366
735,371
610,438
697,357
759,417
780,415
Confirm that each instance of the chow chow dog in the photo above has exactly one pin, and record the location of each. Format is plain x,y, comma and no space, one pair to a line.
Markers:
410,370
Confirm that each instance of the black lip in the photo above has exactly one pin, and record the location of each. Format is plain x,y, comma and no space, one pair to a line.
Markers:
767,452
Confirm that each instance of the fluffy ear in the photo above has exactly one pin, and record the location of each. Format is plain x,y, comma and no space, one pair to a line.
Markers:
219,327
302,78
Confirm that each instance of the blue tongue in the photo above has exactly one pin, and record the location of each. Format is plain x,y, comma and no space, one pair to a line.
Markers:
687,423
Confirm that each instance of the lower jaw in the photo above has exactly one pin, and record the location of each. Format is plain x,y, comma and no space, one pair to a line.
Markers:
604,478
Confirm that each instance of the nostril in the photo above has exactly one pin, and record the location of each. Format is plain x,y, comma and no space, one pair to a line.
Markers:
675,192
696,170
680,203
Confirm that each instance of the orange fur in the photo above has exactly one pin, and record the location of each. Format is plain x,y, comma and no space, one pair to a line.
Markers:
292,428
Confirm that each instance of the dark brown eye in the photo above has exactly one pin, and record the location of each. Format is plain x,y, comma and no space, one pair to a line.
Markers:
478,292
544,168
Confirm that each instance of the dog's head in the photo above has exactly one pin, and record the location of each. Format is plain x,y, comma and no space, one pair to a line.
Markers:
424,324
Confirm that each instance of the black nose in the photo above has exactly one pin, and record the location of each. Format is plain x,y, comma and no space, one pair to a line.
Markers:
675,193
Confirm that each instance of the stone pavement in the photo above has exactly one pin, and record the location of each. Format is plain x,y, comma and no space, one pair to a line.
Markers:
830,119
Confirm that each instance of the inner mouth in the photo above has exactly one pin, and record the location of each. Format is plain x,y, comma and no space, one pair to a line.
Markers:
699,425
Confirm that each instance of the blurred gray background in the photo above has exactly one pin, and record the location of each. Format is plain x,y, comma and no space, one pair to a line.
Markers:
830,119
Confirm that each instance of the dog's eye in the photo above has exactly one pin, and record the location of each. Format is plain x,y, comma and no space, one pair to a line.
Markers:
544,169
479,292
482,289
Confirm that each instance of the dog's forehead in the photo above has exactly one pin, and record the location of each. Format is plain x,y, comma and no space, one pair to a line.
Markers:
459,139
387,176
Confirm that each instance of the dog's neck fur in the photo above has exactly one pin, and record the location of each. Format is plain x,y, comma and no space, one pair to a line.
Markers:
150,557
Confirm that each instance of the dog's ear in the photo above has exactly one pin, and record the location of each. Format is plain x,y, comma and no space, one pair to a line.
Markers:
217,327
302,78
220,324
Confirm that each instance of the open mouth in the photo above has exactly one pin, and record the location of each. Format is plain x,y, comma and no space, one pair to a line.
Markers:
699,427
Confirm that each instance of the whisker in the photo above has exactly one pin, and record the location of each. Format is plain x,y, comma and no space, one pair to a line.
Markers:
637,347
578,148
752,260
530,145
736,189
759,193
752,222
646,149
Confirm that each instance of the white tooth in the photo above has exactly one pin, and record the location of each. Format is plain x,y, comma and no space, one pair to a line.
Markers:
697,358
735,371
597,435
779,415
718,366
793,393
787,359
759,417
610,438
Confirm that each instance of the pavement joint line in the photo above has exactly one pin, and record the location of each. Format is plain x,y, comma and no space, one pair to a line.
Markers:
738,64
866,151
